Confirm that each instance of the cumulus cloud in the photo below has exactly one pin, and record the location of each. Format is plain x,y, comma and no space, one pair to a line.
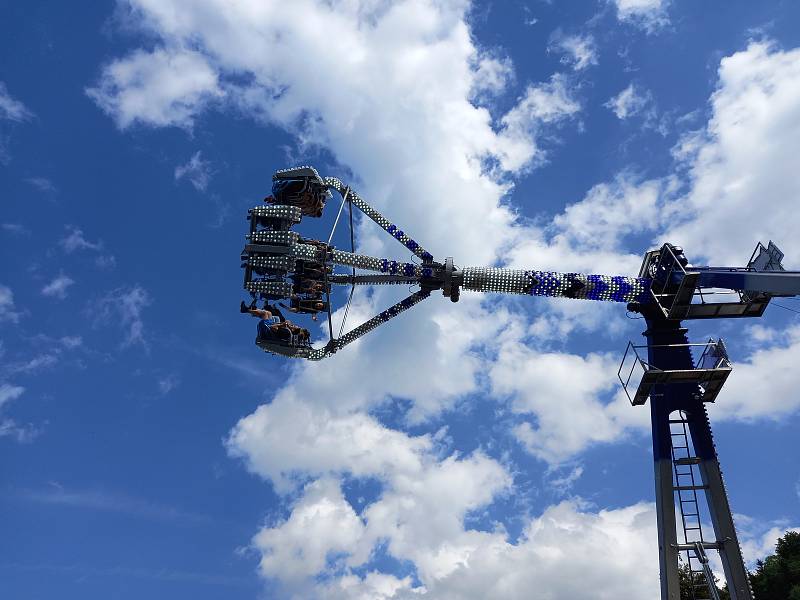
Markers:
579,51
650,15
197,171
164,87
774,399
565,551
10,108
322,523
576,401
58,287
492,75
541,104
743,160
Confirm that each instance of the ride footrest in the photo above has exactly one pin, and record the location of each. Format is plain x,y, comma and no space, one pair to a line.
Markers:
280,289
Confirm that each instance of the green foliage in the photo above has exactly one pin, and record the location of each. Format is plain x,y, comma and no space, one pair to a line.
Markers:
778,577
695,581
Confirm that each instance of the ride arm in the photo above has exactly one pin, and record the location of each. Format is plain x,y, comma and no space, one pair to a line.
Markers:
774,283
347,279
382,221
367,326
557,285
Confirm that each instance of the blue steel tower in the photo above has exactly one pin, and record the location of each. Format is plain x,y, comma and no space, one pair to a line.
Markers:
677,377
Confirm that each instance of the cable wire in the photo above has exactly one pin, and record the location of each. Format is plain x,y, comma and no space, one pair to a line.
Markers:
352,285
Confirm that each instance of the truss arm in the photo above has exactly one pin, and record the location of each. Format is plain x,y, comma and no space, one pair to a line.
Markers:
384,265
348,279
367,326
382,221
553,284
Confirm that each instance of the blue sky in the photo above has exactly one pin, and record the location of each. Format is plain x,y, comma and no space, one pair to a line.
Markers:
149,449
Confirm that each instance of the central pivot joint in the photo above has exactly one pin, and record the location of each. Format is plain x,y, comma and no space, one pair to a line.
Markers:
451,280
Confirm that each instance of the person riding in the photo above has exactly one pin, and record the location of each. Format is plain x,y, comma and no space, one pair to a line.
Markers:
298,193
312,288
306,306
270,326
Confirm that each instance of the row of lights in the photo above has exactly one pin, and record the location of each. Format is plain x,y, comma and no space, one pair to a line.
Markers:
277,211
274,237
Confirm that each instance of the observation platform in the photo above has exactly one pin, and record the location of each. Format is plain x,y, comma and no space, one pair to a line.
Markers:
639,378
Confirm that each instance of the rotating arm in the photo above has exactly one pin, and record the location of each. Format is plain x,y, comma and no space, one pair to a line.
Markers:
382,221
367,326
553,284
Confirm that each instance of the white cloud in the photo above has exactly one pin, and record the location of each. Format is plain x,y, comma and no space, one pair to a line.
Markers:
7,309
542,104
562,553
322,523
102,500
759,548
124,306
10,108
164,87
9,392
197,171
9,427
760,386
742,168
575,400
42,184
629,102
650,15
590,236
289,437
70,342
492,75
579,51
758,538
33,365
58,287
562,484
106,261
74,240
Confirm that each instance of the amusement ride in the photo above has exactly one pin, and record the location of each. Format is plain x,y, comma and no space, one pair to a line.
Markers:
676,376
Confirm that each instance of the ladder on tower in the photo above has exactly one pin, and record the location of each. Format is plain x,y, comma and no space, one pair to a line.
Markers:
687,483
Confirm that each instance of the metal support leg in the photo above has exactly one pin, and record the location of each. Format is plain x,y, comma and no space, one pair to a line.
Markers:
665,498
719,509
665,351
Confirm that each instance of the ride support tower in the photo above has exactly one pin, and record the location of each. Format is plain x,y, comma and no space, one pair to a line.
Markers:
676,376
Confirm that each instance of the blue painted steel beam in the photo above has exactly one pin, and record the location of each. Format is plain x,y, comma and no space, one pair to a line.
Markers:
768,282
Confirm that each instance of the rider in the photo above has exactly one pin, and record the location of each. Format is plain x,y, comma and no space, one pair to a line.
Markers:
274,325
306,306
